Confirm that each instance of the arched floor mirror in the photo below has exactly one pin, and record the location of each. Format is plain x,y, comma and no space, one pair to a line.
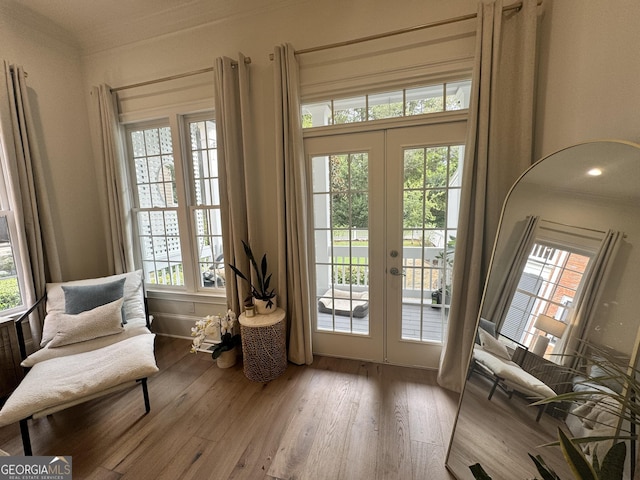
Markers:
562,286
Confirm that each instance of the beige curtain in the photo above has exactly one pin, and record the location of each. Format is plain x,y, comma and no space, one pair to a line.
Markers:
232,128
293,245
498,305
585,308
116,207
499,149
26,190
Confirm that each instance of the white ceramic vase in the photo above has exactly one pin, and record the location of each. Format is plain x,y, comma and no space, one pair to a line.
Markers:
227,358
261,305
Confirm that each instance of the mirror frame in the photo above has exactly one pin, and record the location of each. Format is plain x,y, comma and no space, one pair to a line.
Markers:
635,354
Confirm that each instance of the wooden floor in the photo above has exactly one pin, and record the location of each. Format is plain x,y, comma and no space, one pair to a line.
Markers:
335,419
501,433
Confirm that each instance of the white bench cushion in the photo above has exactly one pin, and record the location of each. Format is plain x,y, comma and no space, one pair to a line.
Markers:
514,376
71,379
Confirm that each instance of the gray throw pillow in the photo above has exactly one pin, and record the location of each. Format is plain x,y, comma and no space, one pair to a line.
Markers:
80,298
487,326
601,374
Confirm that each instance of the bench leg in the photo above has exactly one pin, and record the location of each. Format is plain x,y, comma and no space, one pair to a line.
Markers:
145,393
493,388
26,441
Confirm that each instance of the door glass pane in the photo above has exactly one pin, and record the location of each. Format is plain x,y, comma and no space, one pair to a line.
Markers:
341,235
430,213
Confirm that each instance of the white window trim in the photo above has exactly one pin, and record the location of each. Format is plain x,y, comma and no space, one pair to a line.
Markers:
455,116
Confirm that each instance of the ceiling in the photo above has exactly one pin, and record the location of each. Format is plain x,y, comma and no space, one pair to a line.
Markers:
566,171
95,25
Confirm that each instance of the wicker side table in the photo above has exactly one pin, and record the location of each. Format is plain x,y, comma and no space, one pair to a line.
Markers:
264,347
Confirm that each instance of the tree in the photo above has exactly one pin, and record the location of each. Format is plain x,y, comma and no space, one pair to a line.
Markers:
349,177
427,174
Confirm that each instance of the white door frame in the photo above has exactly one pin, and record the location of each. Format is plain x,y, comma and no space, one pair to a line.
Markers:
385,149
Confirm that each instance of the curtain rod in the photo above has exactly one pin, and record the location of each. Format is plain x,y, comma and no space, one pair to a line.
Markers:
595,230
247,61
415,28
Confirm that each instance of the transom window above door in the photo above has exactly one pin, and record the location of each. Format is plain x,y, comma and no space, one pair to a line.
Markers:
406,102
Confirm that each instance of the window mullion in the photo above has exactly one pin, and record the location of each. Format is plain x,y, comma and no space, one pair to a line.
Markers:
184,222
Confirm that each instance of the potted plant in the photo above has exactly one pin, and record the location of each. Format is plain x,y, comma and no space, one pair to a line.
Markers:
442,296
224,351
263,297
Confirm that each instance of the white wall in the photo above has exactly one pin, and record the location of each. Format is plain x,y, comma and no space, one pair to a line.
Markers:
589,67
56,87
587,87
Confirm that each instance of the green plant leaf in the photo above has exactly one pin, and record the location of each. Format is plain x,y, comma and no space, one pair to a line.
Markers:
264,265
478,472
546,472
238,272
580,466
595,463
612,467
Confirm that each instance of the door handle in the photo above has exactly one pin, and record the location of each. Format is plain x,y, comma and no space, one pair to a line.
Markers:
395,271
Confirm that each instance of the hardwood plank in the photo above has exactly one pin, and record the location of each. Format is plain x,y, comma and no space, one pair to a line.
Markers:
425,423
297,441
339,411
334,419
501,432
248,423
394,447
426,462
172,459
102,473
364,433
183,414
283,394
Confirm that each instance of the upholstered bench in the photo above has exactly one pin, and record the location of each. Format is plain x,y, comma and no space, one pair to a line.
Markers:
87,350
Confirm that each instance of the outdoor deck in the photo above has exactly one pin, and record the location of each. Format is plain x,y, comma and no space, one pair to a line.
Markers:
432,328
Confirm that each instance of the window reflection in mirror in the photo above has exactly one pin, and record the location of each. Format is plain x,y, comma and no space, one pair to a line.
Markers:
548,287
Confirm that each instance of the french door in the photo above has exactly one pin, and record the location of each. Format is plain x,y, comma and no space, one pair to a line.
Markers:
385,207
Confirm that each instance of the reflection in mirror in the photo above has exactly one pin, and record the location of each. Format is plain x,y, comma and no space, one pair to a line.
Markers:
562,277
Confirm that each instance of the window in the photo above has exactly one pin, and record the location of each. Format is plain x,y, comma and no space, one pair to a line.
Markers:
12,286
549,285
393,104
177,202
10,280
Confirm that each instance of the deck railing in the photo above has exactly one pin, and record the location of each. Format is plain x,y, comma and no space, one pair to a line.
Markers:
422,268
